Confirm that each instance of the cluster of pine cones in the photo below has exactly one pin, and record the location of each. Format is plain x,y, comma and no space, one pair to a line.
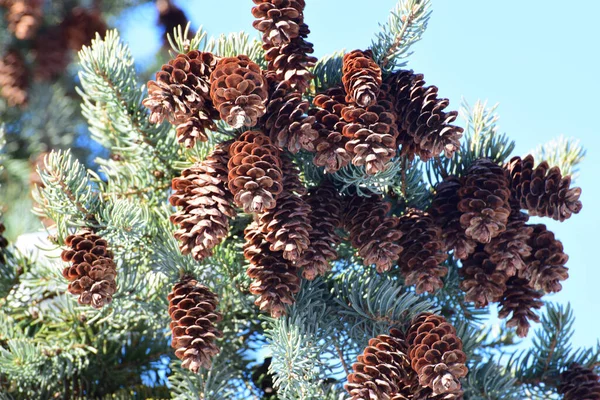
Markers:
51,45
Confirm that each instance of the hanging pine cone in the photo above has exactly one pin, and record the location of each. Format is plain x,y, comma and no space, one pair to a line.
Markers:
484,202
181,95
51,53
287,226
444,210
422,256
509,250
80,26
371,134
170,17
291,176
520,300
330,146
436,355
546,265
24,17
381,369
542,190
361,78
275,280
374,234
3,244
205,204
425,128
192,307
255,177
483,282
579,383
278,20
239,91
92,271
287,122
291,61
14,78
325,217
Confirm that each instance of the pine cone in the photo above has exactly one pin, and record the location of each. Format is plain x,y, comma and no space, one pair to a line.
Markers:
287,226
24,17
80,26
372,135
546,265
279,20
276,281
422,256
3,244
291,61
192,307
170,17
325,218
51,54
444,210
361,78
206,204
520,300
181,94
286,121
542,190
483,282
330,146
92,271
436,354
509,250
239,91
255,177
14,78
425,129
291,176
374,234
579,383
484,201
381,369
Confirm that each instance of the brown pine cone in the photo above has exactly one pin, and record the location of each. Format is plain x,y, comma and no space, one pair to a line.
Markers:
14,78
287,226
425,128
436,354
287,122
361,78
52,56
371,134
80,27
509,250
579,383
422,256
276,280
181,95
444,210
291,176
542,190
381,369
239,91
325,217
278,20
192,307
205,204
255,177
484,201
546,265
24,17
520,300
374,234
291,61
483,282
330,146
170,17
92,271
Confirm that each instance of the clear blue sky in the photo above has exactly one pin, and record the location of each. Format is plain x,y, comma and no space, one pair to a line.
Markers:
539,59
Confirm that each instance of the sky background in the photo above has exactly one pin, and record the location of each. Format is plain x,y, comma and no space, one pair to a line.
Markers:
538,59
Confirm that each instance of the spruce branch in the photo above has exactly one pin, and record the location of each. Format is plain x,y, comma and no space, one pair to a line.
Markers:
234,44
179,42
562,152
328,72
406,24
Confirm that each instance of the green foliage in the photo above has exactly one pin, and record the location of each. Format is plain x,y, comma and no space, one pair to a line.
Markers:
564,153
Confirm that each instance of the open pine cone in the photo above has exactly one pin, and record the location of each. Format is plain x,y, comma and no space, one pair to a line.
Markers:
361,78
